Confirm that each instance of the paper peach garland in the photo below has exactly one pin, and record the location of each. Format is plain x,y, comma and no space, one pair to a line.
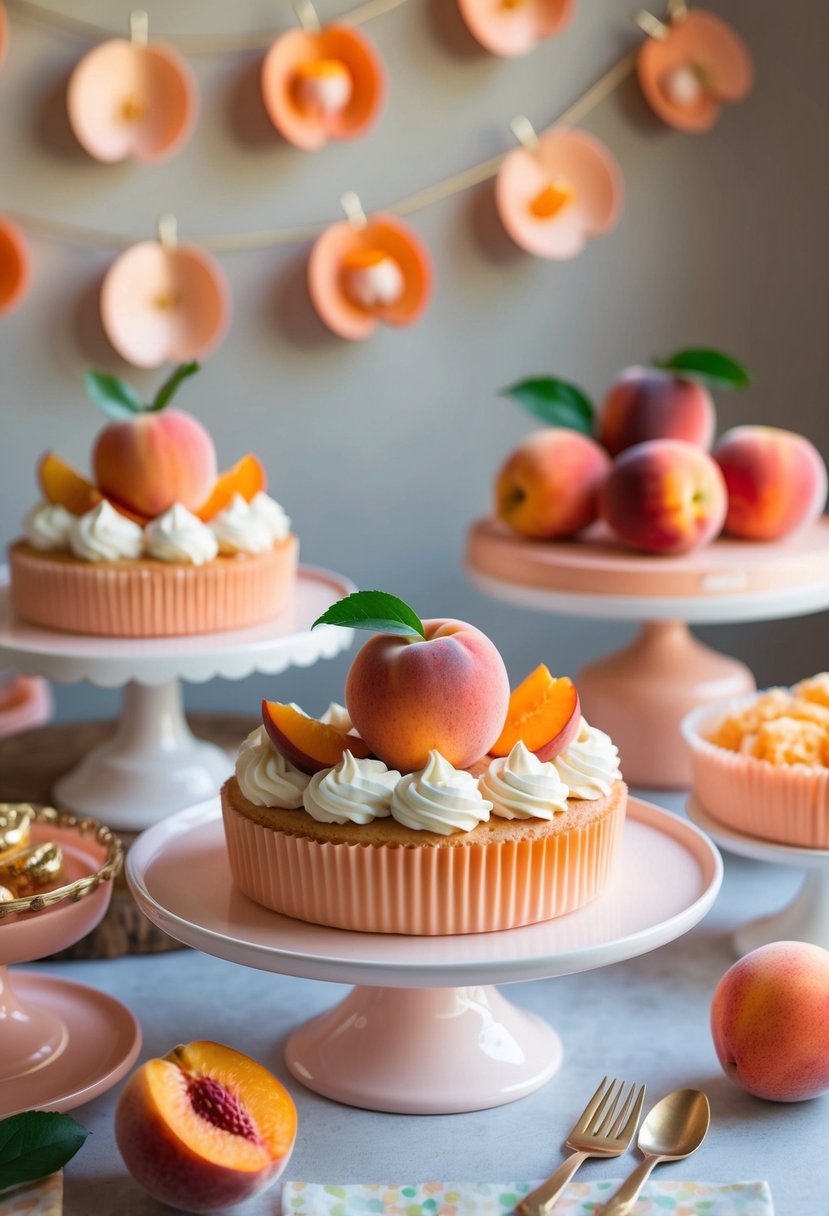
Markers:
163,301
14,265
690,65
130,98
557,191
322,84
367,271
514,27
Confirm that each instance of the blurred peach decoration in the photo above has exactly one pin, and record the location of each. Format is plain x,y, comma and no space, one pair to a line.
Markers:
14,265
4,32
129,98
557,191
25,702
514,27
163,301
368,271
322,84
690,65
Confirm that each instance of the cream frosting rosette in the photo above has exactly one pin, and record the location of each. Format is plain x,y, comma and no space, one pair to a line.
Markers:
440,799
47,525
105,535
265,777
239,530
520,786
590,765
269,512
180,536
353,791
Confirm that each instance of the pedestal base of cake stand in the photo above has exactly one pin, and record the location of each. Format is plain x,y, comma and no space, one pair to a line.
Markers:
640,694
806,918
152,766
467,1049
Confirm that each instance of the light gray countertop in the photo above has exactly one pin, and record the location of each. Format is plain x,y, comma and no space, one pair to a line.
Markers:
645,1019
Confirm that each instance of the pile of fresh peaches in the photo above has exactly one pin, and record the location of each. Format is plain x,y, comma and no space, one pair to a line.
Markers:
643,463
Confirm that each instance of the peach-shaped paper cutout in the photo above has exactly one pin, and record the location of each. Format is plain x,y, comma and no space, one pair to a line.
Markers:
553,198
322,86
161,302
382,261
14,265
126,99
514,27
700,49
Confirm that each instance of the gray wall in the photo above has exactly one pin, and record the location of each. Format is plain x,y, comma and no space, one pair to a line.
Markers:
383,451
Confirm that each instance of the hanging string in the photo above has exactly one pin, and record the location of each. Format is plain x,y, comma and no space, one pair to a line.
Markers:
203,44
245,242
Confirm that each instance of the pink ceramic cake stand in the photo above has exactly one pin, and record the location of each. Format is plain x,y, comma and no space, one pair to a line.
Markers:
61,1043
806,918
153,764
640,694
424,1032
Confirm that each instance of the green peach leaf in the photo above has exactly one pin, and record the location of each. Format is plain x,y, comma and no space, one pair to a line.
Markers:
35,1144
375,610
555,402
115,397
710,367
170,386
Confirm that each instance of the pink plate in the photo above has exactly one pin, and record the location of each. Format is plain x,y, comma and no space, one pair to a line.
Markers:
411,1040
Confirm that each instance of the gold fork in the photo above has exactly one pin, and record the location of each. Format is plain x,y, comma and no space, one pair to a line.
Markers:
602,1130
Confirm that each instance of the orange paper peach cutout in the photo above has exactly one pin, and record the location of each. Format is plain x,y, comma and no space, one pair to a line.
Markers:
554,197
161,302
362,275
514,27
14,265
322,86
688,74
126,99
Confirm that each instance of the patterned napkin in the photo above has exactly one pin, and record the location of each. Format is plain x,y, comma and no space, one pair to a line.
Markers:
499,1199
43,1198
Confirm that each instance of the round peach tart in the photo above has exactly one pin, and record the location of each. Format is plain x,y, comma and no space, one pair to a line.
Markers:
158,544
455,839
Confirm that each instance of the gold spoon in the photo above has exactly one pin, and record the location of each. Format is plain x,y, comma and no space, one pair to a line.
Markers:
674,1128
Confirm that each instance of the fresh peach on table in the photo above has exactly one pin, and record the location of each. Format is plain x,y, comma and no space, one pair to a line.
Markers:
770,1021
776,481
544,714
309,744
204,1127
151,456
549,485
664,496
649,403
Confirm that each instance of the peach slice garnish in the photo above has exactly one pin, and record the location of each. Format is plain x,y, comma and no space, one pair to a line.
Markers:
204,1127
309,744
556,195
61,484
362,276
322,86
14,265
686,75
164,302
127,99
247,477
514,27
543,714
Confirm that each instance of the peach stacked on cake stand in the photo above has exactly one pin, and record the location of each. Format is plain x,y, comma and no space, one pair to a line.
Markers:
641,524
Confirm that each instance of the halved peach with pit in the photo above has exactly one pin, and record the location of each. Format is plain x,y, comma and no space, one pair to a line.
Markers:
309,744
62,485
514,27
543,714
247,477
204,1127
363,275
697,64
322,85
14,265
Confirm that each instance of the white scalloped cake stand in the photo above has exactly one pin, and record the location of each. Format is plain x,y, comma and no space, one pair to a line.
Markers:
153,765
408,1039
806,918
640,694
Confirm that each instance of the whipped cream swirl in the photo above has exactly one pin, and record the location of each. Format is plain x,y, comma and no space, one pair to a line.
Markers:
238,530
440,799
354,791
47,526
590,765
265,777
268,511
180,536
105,535
338,717
520,786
